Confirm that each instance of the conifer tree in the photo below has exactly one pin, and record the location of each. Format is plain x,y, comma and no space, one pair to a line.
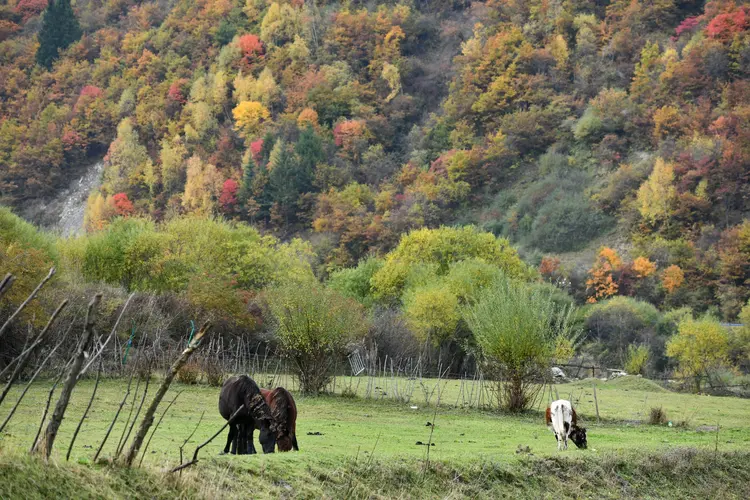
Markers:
60,28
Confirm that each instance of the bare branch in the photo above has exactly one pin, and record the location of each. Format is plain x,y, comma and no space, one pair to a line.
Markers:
109,338
24,357
86,412
6,283
195,455
28,385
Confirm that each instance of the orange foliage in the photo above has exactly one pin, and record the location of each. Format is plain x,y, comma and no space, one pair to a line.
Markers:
672,278
643,267
601,282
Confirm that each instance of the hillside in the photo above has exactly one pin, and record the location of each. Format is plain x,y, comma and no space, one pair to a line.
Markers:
563,125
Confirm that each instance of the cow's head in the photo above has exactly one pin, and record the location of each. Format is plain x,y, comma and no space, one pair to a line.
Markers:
578,436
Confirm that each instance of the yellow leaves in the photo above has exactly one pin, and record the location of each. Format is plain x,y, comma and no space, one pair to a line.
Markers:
249,116
202,185
643,267
558,48
666,121
432,312
672,278
657,194
391,75
699,345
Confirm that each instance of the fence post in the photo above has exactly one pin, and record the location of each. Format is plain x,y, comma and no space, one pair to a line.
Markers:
596,402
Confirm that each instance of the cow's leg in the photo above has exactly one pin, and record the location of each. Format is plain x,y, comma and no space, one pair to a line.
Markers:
557,438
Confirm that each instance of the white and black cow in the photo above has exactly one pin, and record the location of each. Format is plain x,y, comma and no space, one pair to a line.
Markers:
562,420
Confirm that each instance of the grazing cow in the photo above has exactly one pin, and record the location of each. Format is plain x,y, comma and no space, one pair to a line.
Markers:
562,419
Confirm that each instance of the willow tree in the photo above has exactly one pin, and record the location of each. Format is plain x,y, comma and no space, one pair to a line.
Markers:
519,330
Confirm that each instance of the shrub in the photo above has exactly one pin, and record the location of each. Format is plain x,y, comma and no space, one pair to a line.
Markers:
637,358
212,369
566,224
314,325
517,329
617,323
443,247
189,373
355,282
657,416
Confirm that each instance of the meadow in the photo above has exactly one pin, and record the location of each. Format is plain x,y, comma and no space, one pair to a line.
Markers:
353,446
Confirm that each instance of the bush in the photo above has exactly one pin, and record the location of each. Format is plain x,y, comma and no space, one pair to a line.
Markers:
657,416
443,247
189,373
613,325
314,325
355,283
566,224
637,358
699,347
517,329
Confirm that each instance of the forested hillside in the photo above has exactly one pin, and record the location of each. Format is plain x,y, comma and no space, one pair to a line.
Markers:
620,127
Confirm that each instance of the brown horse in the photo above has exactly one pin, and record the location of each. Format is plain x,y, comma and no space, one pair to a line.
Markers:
284,413
242,390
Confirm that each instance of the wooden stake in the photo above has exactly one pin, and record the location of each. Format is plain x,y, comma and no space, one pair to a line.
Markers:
45,446
86,412
596,402
148,418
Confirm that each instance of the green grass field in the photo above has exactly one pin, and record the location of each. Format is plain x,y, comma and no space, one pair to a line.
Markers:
354,446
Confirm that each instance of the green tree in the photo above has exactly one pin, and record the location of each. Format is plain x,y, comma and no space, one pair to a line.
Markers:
518,330
314,325
443,247
60,28
699,346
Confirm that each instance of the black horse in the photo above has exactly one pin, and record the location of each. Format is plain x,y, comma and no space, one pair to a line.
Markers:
242,390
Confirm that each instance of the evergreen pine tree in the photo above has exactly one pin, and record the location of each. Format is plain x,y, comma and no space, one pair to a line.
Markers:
60,28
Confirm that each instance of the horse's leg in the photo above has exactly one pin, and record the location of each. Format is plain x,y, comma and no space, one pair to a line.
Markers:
294,442
229,440
232,439
250,440
243,440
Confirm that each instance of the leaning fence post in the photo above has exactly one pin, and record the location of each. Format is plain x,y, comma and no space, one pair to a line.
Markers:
148,418
45,445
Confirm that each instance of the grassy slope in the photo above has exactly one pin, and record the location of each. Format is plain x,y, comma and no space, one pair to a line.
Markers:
475,451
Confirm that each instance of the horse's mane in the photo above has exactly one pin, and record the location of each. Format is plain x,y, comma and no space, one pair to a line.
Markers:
280,404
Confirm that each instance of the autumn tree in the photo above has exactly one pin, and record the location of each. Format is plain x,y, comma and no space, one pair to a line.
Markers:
657,194
699,347
601,280
249,116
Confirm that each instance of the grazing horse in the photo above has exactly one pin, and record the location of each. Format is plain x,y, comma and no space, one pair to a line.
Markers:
242,390
284,413
562,419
